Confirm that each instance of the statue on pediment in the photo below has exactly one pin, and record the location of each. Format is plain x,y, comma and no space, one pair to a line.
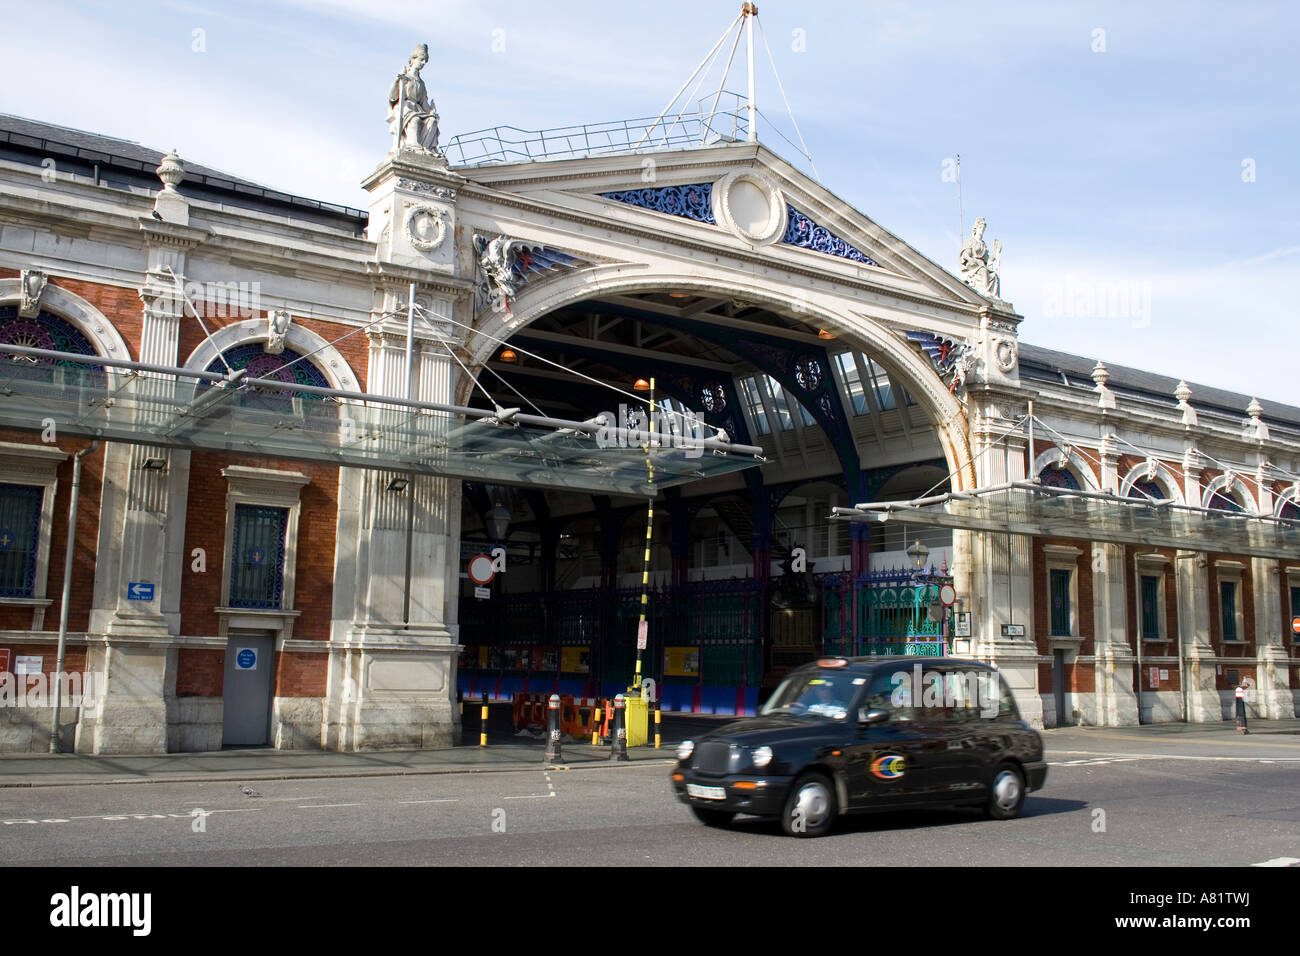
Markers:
979,268
412,116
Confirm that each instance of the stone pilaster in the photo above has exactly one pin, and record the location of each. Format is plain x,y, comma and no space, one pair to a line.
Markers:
1192,581
1000,582
1116,701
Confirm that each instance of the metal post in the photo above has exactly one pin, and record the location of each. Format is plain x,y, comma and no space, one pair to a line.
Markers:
410,487
751,12
483,722
658,726
595,729
643,627
67,592
553,729
619,733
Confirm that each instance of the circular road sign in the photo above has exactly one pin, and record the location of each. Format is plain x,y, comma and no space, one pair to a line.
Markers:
480,569
1295,624
948,595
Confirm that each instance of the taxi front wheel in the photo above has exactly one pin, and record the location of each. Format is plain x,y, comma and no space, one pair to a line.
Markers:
1007,794
810,808
712,818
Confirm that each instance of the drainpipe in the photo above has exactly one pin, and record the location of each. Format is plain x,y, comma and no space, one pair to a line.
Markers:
67,590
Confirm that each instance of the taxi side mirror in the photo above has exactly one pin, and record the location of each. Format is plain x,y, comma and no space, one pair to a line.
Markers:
867,717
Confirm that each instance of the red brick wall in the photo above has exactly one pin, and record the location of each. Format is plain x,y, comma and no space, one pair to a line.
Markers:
1082,610
301,675
85,544
205,527
200,672
74,659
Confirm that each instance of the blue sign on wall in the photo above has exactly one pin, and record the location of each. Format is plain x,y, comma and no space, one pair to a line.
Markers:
139,591
246,659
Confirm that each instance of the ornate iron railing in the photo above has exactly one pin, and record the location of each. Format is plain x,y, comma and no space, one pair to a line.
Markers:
706,126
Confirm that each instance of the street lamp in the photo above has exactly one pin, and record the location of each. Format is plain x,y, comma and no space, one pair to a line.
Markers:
497,523
918,553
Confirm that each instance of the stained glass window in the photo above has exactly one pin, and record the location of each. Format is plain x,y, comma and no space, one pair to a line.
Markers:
1060,596
289,366
45,331
257,557
20,524
1055,477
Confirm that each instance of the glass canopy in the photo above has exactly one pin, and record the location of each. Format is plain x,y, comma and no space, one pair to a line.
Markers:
1030,509
133,402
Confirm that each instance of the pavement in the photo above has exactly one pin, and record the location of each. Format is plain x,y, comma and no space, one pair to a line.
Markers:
1269,740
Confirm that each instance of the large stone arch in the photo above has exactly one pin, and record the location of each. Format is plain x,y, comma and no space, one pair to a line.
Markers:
897,356
1230,484
1156,471
1071,460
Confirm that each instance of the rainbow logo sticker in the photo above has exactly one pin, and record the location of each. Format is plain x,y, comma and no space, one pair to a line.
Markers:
888,767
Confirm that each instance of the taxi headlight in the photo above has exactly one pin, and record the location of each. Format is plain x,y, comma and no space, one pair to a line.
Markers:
762,756
685,749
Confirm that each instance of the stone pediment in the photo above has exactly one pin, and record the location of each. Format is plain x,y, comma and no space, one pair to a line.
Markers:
742,196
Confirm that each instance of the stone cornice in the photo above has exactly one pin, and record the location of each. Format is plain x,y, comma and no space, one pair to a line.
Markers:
389,275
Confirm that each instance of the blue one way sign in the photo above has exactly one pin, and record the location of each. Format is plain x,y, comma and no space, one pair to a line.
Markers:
139,591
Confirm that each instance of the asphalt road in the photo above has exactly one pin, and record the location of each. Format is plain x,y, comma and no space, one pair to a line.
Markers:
1155,810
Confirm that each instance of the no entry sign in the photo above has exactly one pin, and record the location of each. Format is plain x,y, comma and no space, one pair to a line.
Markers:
1295,625
480,569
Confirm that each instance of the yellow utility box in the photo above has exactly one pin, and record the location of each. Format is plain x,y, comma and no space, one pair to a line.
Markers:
636,713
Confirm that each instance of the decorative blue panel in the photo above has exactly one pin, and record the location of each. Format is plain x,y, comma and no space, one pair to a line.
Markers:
802,231
20,525
690,202
261,364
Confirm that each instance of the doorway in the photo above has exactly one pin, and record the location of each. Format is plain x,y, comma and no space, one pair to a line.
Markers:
250,663
1058,685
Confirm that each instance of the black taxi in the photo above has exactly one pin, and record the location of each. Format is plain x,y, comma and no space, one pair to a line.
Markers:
847,735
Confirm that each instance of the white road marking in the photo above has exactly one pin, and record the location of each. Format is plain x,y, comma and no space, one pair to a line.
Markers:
1279,861
320,806
118,817
443,800
1181,757
532,796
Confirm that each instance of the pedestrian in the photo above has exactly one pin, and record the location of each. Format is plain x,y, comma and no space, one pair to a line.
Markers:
1241,709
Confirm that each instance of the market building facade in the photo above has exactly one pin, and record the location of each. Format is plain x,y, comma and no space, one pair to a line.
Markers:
252,590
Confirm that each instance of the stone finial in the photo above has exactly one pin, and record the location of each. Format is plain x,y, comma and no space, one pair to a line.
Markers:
1256,424
169,205
171,171
1183,392
1101,375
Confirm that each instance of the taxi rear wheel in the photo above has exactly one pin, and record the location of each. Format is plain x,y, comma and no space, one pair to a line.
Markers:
1007,795
713,818
810,807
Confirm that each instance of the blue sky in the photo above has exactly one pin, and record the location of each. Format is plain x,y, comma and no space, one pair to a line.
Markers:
1108,163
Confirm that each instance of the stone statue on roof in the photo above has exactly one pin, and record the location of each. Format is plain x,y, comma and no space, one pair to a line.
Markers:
412,116
979,269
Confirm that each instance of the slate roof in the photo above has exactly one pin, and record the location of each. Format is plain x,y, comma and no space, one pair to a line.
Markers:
1042,364
122,164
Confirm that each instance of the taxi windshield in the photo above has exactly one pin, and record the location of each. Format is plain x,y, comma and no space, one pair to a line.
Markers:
815,694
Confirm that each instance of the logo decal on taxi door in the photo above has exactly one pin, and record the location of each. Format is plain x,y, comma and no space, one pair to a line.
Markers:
888,767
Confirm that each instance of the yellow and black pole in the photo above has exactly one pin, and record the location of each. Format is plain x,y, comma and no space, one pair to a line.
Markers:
642,628
483,721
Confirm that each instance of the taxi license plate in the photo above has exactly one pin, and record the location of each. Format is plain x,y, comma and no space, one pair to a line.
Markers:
706,793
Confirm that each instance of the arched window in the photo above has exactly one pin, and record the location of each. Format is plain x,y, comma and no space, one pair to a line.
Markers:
1146,490
47,331
1224,501
289,366
1054,476
1290,511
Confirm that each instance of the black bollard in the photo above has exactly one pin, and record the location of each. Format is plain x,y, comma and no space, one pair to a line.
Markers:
619,750
482,734
658,727
553,729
